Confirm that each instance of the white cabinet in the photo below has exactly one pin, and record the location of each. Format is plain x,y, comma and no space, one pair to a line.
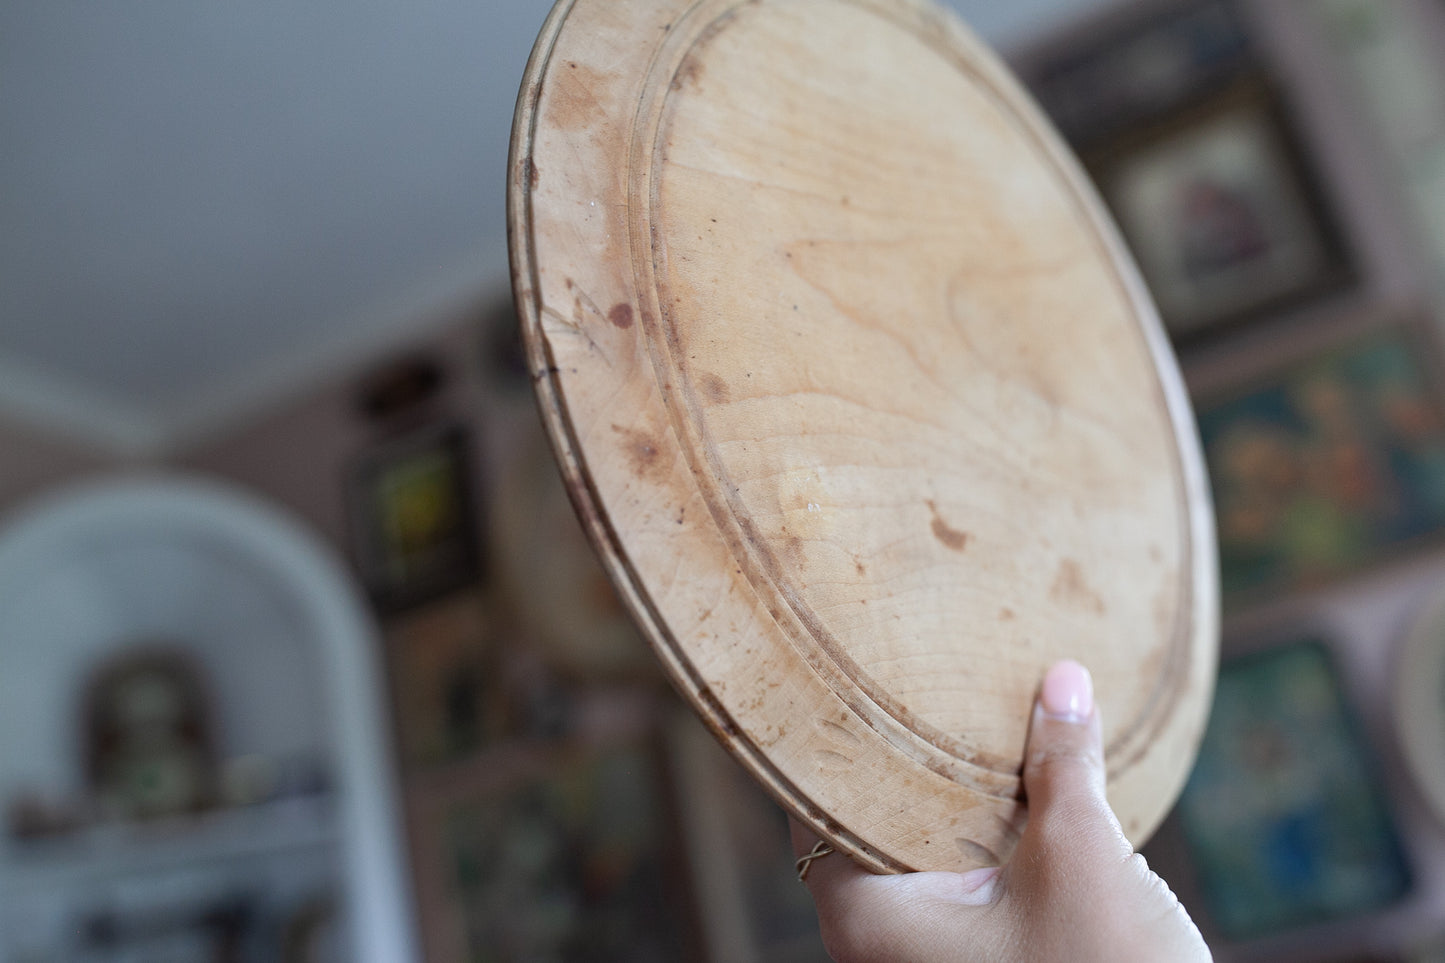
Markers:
287,658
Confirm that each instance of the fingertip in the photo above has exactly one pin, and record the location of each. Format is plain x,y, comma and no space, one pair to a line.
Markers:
1067,692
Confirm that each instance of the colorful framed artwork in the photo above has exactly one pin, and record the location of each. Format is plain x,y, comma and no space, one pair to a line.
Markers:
744,871
1221,212
413,517
446,678
1419,702
571,856
543,555
1284,819
462,684
1136,63
1332,461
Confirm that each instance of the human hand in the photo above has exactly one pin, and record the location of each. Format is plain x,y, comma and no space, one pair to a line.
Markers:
1074,890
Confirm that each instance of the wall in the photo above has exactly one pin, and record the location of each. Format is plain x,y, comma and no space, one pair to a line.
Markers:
32,462
302,452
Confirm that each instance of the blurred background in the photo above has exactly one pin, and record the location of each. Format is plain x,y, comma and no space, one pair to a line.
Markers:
304,654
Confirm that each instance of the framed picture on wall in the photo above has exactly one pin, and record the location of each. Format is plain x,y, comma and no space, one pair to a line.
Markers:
563,855
542,555
743,868
1330,461
1134,63
445,668
1284,818
1220,211
413,517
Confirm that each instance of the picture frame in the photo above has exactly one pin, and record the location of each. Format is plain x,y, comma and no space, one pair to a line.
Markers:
445,671
1134,64
1221,211
1327,461
743,869
413,517
542,554
1284,818
565,853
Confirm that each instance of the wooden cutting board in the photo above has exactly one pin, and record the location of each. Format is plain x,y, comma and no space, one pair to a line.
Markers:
863,405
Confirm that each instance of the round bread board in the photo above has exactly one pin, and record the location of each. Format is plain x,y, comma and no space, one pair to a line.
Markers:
864,407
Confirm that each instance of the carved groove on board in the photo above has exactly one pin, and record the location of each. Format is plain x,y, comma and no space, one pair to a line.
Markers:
929,746
791,615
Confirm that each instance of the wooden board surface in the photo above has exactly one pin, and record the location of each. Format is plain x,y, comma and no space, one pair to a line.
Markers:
863,406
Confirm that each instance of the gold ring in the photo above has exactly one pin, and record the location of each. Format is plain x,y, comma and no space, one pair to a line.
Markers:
805,862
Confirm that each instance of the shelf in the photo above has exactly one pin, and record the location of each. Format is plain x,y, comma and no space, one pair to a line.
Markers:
127,851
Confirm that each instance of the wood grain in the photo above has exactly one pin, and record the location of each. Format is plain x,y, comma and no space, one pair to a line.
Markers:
863,406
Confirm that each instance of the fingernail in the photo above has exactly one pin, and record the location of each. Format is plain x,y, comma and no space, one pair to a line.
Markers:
978,885
1068,692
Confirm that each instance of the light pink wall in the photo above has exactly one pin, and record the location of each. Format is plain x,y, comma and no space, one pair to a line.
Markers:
32,462
300,453
294,455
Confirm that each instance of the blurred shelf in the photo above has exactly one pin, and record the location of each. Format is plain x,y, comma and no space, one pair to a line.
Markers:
126,851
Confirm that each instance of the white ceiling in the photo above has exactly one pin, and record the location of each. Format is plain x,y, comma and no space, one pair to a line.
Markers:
205,204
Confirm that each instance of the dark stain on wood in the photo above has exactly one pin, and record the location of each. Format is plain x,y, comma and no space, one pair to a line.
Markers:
714,389
793,550
574,104
621,315
1070,589
641,449
689,73
951,538
690,70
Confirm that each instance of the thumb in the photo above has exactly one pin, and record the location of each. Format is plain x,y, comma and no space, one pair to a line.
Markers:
1074,888
1070,821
